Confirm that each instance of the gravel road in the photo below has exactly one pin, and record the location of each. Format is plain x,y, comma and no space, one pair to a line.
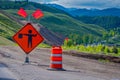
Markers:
77,68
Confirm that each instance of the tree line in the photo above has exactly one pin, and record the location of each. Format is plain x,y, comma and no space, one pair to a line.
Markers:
107,22
8,4
75,39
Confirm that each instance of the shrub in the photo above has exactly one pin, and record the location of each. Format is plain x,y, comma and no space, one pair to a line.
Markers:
103,48
107,50
115,50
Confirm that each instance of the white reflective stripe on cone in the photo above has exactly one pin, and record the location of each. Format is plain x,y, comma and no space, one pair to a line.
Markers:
56,62
56,55
56,47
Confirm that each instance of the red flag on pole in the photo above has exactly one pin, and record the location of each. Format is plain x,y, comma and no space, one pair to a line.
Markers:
22,13
67,39
37,14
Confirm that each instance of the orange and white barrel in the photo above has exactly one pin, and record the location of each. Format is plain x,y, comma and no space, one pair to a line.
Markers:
56,58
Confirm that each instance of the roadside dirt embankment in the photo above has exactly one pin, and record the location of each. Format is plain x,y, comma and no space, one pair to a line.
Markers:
93,56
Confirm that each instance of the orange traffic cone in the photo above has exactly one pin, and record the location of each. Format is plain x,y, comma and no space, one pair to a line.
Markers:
56,59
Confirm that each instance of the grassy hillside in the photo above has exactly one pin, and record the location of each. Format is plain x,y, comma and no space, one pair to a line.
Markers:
55,20
61,23
8,27
107,22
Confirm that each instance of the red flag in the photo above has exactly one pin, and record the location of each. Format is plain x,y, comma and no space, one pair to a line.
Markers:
37,14
22,13
66,38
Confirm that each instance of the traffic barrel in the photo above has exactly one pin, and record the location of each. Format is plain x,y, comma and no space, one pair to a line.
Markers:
56,58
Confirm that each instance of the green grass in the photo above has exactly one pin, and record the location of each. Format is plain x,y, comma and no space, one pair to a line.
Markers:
43,45
93,49
4,41
8,27
64,24
103,61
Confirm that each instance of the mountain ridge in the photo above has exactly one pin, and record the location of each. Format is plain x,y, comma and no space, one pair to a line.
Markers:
88,12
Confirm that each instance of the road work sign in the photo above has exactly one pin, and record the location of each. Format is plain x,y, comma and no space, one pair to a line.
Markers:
28,38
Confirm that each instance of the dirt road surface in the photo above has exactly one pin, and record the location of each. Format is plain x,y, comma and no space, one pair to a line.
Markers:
77,68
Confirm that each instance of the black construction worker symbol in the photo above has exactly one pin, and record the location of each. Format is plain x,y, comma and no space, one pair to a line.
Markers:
30,37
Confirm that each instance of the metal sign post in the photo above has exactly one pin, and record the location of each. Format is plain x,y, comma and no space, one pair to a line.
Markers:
27,59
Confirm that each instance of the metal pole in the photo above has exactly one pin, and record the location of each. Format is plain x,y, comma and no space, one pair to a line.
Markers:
29,18
27,59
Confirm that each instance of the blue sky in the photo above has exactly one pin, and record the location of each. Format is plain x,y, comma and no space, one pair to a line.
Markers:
100,4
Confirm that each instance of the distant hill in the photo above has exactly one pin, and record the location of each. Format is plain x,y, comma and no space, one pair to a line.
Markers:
106,18
67,10
88,12
96,12
107,22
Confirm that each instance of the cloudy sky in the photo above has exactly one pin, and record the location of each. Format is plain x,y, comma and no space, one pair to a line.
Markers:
85,3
